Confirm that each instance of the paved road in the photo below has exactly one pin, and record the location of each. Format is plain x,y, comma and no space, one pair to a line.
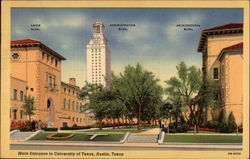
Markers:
118,147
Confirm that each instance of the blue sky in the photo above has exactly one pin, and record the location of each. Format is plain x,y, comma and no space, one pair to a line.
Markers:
155,41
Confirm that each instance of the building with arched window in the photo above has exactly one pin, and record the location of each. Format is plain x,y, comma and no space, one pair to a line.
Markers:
222,54
36,71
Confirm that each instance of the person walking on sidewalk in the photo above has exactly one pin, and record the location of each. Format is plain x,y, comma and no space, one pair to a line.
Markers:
39,125
33,125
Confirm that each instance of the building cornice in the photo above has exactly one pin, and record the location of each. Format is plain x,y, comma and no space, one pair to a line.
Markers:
226,29
33,43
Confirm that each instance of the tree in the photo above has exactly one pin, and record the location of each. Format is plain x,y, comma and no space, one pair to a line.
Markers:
208,97
165,110
183,89
138,89
231,122
98,105
116,111
29,106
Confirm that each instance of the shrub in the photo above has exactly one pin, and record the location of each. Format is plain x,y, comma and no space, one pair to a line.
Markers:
222,116
50,129
230,126
177,128
240,129
25,129
74,125
231,122
75,128
213,125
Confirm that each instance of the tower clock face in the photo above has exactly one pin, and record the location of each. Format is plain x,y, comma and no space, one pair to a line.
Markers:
15,56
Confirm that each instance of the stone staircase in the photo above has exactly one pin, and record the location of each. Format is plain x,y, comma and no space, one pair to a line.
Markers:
20,135
142,138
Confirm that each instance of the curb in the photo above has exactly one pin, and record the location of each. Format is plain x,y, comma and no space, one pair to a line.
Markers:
14,131
84,142
161,137
125,137
183,143
36,133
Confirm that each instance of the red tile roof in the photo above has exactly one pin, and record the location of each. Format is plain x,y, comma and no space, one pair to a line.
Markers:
31,42
226,26
24,41
236,46
229,49
218,30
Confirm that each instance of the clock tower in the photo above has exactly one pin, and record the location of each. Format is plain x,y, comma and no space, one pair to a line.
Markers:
98,57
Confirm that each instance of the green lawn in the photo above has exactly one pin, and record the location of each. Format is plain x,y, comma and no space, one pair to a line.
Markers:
121,130
80,137
204,132
203,138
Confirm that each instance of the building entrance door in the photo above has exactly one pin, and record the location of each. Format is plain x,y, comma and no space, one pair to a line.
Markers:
51,110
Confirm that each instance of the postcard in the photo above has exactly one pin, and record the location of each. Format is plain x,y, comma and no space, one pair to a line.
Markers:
125,79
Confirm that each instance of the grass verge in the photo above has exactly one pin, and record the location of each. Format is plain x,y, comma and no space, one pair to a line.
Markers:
203,138
80,137
118,130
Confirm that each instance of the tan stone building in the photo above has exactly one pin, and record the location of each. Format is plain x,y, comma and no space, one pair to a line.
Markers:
36,71
222,52
72,107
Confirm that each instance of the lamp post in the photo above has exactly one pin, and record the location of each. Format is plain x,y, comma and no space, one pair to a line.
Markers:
170,116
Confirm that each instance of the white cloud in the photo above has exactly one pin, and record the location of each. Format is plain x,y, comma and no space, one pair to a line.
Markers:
70,21
19,32
141,31
176,34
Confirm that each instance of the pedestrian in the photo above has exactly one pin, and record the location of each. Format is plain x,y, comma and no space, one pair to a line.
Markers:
39,125
159,121
48,124
33,125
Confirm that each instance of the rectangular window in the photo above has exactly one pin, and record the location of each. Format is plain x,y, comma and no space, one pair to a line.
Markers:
53,82
64,103
77,106
21,114
21,95
14,113
15,94
52,60
50,81
69,104
215,73
43,55
47,58
73,105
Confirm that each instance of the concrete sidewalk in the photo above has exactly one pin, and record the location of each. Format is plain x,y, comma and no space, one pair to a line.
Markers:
132,145
153,131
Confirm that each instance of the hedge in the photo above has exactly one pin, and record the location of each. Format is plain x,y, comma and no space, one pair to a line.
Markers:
75,128
50,129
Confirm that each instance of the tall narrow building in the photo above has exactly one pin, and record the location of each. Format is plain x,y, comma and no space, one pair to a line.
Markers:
98,57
